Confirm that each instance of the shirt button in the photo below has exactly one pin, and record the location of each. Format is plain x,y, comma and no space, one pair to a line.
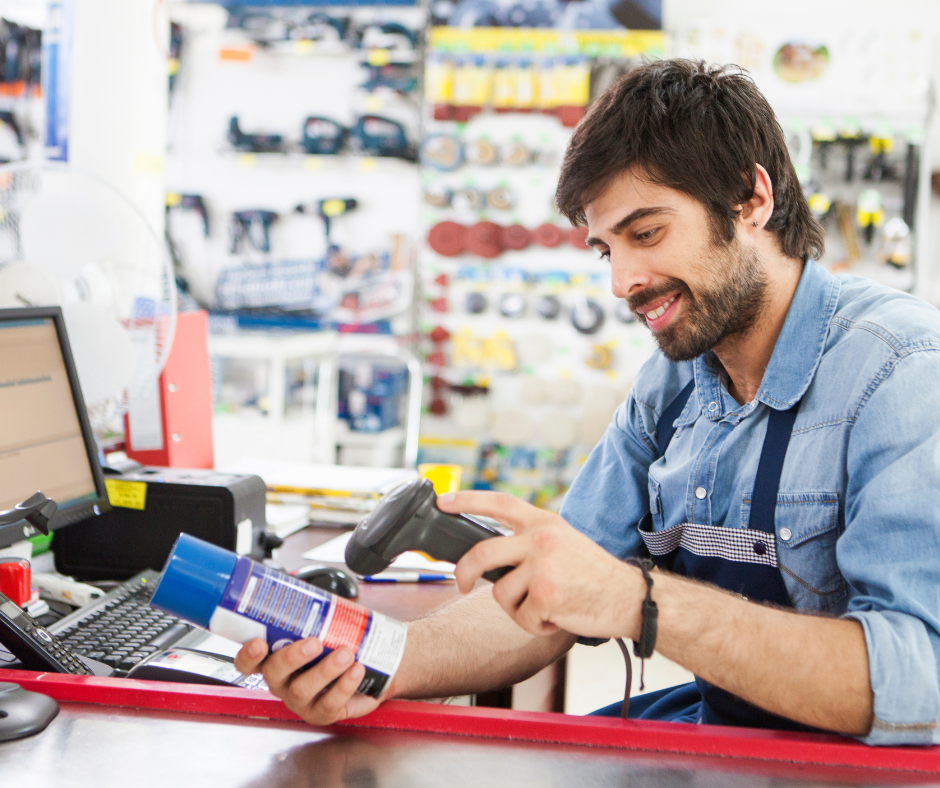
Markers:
713,406
785,534
700,492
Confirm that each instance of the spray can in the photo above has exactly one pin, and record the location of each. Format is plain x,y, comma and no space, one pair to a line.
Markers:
237,598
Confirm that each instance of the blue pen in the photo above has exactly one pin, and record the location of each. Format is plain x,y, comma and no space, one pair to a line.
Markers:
407,577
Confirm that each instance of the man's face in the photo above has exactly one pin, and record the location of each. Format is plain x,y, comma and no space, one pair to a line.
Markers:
689,289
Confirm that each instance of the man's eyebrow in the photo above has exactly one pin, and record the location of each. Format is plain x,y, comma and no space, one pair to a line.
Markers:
630,218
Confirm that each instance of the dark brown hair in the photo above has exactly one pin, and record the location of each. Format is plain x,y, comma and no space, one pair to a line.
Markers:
695,128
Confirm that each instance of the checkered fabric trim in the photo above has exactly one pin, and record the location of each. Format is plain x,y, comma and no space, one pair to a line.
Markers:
744,545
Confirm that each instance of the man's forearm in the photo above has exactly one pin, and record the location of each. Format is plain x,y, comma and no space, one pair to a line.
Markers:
471,646
811,669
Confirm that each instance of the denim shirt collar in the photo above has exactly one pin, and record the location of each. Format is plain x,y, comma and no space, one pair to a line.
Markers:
795,358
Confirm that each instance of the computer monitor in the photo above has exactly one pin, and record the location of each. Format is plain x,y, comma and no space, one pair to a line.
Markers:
46,442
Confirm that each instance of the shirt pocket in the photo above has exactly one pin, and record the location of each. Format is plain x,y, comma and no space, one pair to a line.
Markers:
807,526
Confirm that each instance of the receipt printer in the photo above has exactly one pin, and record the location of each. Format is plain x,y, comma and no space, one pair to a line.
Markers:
151,507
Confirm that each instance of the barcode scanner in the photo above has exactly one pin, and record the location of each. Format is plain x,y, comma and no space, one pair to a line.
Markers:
408,519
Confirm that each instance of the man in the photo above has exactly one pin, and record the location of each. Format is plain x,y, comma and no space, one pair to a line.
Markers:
779,456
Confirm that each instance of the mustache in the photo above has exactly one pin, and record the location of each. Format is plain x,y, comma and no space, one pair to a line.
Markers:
650,294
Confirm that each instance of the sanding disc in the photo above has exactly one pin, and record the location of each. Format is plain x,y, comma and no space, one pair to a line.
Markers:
483,240
548,306
515,154
437,196
512,305
469,199
475,303
548,235
623,314
587,317
577,236
535,391
500,198
442,152
448,238
515,237
510,427
566,391
480,152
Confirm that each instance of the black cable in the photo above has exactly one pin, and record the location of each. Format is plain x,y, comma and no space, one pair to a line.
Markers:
625,708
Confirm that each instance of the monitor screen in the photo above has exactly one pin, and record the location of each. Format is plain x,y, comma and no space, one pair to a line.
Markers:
46,442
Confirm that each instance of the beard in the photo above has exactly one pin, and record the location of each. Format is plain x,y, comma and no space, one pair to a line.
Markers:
729,302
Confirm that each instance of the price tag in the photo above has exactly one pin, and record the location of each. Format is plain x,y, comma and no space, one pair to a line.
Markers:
125,494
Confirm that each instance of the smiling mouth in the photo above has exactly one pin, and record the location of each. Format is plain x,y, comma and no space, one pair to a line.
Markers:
653,314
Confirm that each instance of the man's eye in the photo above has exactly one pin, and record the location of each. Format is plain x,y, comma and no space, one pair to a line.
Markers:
647,236
605,255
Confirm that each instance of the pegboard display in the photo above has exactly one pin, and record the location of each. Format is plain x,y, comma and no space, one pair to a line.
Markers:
854,101
527,353
291,169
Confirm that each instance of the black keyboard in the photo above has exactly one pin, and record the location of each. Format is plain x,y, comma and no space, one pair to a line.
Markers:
120,629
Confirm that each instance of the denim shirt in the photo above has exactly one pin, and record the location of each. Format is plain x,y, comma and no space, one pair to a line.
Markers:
858,509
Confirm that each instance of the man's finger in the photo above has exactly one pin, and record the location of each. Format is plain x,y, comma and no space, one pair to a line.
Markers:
301,694
512,589
282,664
502,507
486,555
250,656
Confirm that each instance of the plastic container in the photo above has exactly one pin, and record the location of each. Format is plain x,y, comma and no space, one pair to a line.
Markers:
237,598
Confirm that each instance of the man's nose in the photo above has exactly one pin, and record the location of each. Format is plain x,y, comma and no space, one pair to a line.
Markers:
627,276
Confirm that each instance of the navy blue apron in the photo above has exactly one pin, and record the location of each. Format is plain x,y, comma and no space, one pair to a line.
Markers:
741,560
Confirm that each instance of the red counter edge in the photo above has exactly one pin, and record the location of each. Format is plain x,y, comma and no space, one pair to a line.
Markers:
672,738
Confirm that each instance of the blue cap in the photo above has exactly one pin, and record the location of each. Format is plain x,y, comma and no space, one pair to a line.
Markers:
194,579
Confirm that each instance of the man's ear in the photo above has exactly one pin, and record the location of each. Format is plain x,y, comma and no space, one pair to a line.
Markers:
761,205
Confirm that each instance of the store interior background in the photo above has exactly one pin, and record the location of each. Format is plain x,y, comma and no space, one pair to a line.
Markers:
556,383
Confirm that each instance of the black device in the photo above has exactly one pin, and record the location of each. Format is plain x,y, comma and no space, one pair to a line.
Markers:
48,440
407,518
222,508
37,648
121,629
329,578
23,713
195,667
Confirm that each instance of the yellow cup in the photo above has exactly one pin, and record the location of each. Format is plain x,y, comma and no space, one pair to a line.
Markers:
445,478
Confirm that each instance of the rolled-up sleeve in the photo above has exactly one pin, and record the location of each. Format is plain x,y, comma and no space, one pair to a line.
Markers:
889,552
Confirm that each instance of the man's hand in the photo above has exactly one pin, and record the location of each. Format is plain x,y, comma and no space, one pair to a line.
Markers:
561,580
322,695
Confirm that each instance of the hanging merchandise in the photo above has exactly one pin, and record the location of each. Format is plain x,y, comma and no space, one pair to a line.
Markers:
870,213
475,303
514,237
328,210
323,136
896,249
512,305
442,152
548,235
395,77
623,313
587,316
468,199
253,143
500,199
189,202
381,136
489,240
548,307
252,227
481,152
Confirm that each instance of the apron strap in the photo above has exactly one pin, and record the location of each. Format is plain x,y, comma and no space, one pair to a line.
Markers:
665,427
767,483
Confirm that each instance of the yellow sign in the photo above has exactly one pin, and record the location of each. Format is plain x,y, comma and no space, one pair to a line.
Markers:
126,495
